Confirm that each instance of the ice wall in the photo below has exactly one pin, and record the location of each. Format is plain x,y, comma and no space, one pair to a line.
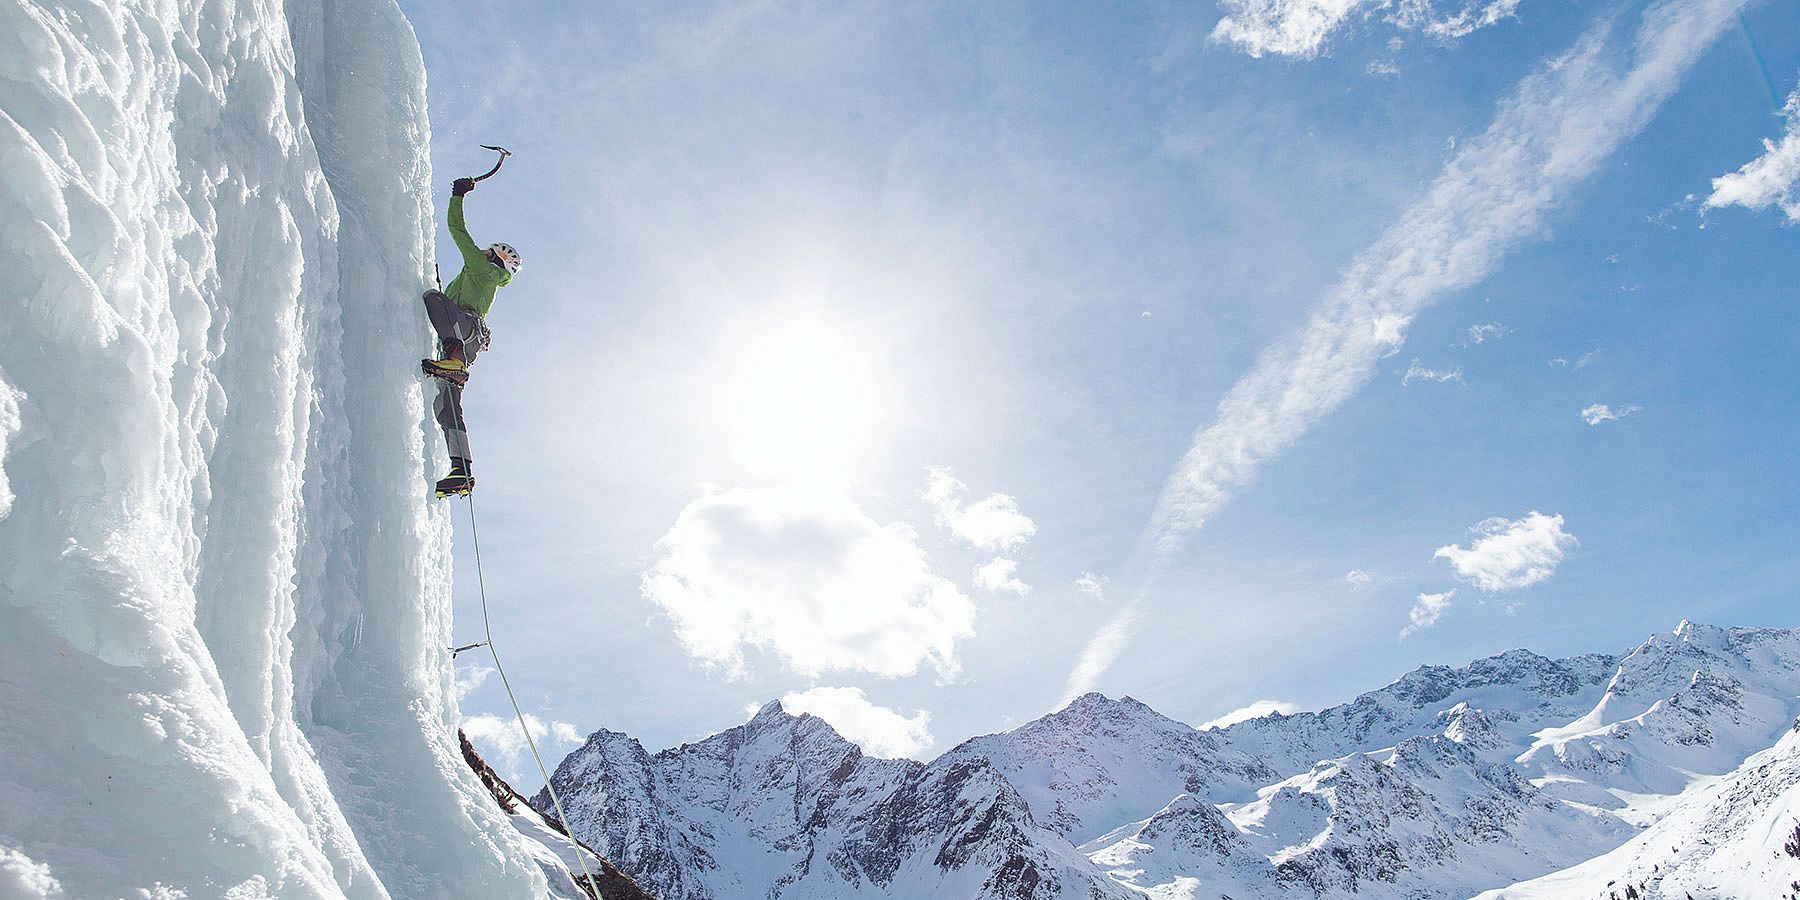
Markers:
223,595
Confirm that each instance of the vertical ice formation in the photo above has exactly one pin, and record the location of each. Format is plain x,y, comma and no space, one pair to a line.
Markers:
223,598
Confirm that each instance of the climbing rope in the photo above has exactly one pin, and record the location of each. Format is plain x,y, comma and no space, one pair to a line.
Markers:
488,628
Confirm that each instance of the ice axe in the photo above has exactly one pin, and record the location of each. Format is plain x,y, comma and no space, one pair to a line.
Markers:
504,153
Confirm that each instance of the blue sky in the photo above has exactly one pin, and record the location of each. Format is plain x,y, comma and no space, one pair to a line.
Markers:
828,307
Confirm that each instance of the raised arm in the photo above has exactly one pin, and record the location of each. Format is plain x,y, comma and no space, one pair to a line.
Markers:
459,232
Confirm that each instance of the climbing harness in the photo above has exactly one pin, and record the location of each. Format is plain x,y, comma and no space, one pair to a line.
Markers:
487,628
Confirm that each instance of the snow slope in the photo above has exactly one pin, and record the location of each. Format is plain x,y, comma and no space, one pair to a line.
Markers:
223,596
1736,838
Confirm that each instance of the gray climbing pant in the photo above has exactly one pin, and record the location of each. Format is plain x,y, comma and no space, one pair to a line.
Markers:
461,335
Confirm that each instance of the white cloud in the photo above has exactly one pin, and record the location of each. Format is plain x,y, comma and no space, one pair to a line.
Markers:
1416,372
808,577
503,744
1000,574
1771,178
1426,611
1600,412
880,731
1508,555
1357,578
1301,28
1487,331
1471,17
1283,27
993,524
1556,130
1092,586
27,877
1255,710
468,678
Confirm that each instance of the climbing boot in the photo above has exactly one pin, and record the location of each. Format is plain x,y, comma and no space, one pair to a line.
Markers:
449,369
459,483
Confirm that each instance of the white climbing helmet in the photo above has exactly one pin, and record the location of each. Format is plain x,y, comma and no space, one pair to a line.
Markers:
507,255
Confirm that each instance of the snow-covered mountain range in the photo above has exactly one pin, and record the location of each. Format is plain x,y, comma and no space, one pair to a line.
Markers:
1445,783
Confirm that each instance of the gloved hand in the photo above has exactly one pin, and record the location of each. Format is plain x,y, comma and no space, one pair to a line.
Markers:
461,186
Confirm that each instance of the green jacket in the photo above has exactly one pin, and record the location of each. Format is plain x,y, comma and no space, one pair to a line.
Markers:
473,288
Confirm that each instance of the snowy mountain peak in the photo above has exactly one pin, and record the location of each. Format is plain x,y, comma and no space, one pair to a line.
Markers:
1096,704
1473,727
1695,637
773,726
1697,632
1095,711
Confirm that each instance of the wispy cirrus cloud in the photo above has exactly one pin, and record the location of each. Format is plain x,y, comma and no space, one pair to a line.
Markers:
1482,332
1581,362
1507,555
1600,412
1302,28
1417,372
1103,649
1772,179
1092,586
1556,129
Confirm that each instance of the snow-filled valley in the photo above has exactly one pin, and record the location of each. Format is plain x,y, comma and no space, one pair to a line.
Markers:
224,596
1446,783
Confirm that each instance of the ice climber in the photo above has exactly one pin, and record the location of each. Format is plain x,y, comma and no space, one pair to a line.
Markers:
457,313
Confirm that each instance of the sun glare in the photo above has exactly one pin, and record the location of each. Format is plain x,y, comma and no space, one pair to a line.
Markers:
800,401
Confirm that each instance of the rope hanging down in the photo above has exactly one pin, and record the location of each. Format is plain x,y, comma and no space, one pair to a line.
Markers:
488,630
486,627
